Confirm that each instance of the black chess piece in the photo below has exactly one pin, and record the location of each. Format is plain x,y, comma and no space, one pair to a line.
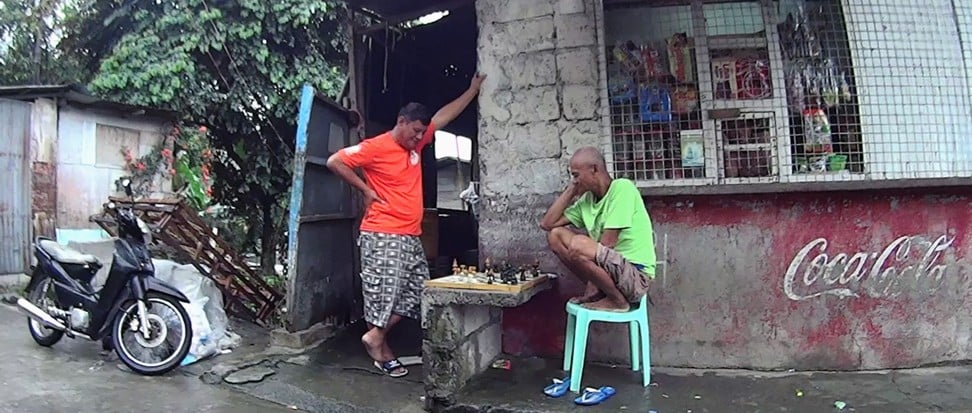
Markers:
508,275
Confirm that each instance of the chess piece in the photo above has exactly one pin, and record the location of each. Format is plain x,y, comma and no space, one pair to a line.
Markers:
489,278
536,269
508,275
523,274
455,267
488,265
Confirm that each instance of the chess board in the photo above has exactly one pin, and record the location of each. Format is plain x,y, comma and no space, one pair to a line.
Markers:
479,282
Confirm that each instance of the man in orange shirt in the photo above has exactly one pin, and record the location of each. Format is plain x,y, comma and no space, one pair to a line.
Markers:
393,266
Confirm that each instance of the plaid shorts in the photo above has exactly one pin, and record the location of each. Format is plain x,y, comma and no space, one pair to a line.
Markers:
393,274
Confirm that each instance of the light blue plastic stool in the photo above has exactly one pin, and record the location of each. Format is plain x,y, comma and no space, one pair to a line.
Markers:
579,319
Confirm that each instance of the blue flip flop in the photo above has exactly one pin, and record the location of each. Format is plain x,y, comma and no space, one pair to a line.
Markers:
558,388
592,396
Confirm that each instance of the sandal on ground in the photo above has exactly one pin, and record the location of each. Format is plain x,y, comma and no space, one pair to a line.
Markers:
592,396
558,388
393,368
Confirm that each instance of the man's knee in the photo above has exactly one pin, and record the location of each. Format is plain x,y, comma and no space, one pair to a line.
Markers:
581,247
556,240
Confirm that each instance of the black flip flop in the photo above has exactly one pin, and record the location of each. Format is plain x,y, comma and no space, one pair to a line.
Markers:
393,368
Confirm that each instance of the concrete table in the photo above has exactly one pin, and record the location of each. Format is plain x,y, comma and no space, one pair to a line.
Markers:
463,336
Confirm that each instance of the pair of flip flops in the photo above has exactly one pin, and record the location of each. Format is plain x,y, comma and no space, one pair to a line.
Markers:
589,397
393,368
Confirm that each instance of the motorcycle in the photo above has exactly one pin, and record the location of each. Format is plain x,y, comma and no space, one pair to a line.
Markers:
131,312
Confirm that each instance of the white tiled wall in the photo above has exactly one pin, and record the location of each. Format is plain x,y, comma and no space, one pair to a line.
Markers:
913,87
963,12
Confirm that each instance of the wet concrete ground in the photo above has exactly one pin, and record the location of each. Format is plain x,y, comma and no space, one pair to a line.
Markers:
923,390
338,377
339,374
72,376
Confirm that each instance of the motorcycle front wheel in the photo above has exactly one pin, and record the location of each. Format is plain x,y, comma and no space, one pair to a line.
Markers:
169,339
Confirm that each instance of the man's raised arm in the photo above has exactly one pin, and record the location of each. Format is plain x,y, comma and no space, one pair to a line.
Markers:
454,108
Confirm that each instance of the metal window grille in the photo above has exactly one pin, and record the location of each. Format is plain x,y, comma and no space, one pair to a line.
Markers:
722,92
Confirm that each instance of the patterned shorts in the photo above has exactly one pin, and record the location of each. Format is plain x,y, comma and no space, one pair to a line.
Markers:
393,273
632,282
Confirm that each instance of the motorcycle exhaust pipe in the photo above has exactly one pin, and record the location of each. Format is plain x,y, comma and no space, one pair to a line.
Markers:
39,315
42,317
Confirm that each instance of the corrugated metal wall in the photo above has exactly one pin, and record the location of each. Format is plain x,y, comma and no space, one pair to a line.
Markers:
15,190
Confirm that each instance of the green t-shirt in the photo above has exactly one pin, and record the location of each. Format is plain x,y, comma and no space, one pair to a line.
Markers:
621,208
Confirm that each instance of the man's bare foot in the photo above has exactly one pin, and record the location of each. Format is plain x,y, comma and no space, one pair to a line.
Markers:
607,304
587,298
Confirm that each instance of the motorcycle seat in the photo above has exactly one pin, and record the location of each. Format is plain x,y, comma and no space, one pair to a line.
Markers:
66,255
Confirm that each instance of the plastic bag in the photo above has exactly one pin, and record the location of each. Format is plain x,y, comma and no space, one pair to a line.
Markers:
817,138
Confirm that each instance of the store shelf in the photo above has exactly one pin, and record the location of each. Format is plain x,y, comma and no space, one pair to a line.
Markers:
748,146
734,42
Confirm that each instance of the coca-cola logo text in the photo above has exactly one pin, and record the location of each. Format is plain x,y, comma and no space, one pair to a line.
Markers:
907,263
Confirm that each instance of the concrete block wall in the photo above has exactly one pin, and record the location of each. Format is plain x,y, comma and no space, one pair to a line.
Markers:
540,103
461,341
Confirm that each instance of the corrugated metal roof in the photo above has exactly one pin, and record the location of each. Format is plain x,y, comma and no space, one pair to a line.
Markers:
398,8
78,96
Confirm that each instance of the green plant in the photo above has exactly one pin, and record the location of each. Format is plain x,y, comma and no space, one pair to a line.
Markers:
184,157
192,165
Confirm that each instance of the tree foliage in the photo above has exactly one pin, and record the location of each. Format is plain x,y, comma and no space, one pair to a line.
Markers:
234,66
29,43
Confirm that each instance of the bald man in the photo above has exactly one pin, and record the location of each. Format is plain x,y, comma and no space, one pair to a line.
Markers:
616,256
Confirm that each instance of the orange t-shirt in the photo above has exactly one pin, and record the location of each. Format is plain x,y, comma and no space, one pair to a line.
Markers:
396,176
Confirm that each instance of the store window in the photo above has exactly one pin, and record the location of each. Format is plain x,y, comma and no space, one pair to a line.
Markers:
761,91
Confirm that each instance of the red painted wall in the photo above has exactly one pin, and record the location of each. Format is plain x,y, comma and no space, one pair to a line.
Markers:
883,281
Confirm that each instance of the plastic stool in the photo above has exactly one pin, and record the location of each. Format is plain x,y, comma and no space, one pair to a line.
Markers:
579,319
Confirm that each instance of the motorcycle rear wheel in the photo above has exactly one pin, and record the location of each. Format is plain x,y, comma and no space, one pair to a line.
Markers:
134,349
42,335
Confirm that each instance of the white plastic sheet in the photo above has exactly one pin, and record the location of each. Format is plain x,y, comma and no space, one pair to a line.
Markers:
210,325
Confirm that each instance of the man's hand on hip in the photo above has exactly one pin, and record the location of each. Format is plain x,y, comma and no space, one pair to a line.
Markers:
371,196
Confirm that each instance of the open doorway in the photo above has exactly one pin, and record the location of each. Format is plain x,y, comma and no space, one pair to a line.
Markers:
429,58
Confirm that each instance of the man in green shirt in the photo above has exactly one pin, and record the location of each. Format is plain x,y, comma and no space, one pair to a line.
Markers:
616,259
